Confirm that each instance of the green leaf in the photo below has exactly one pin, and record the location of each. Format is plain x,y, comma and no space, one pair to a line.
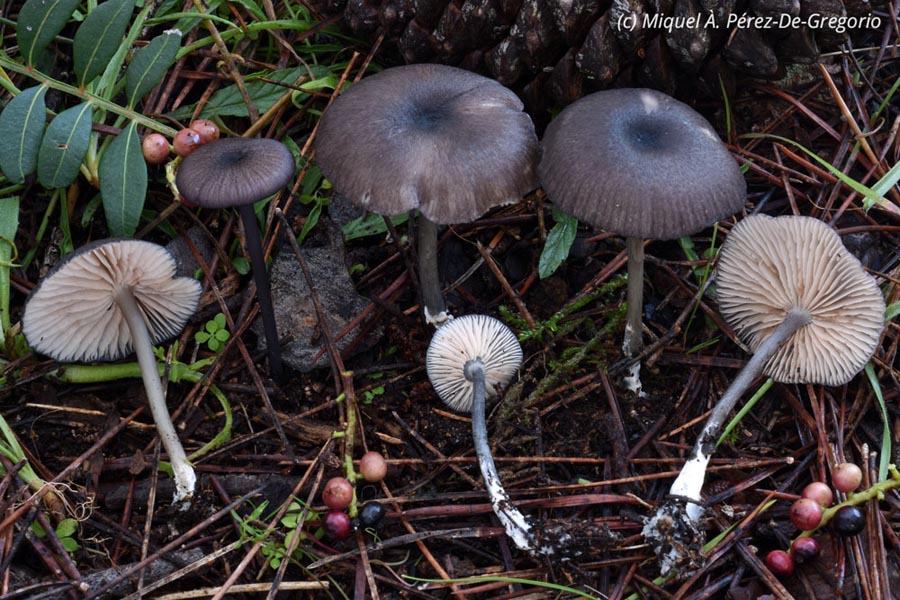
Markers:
69,544
99,37
228,102
39,22
64,146
9,223
67,528
150,64
21,127
123,182
370,224
201,337
559,242
241,265
892,311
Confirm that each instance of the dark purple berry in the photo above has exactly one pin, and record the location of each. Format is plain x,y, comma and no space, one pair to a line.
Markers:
849,521
371,514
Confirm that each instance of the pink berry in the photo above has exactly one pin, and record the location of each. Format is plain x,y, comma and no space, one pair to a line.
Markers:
337,524
206,129
806,514
338,493
804,549
846,477
156,148
185,142
820,492
373,466
780,563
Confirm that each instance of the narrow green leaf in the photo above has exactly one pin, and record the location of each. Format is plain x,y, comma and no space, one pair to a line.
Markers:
98,38
39,22
123,182
228,101
9,223
559,242
64,146
149,65
21,127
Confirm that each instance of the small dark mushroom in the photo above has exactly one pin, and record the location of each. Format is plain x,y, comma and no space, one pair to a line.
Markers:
639,163
238,172
437,139
107,300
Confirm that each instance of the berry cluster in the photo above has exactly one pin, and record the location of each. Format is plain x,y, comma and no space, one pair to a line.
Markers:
813,510
156,147
339,496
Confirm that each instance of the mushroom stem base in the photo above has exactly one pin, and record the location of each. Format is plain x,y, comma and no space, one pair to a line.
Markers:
518,526
182,471
682,512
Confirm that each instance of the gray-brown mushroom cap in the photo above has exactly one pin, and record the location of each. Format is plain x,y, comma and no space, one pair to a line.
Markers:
639,163
72,316
466,338
439,139
768,266
234,171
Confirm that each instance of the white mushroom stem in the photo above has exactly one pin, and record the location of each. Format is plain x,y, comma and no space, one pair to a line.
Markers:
183,472
518,527
429,278
689,482
633,342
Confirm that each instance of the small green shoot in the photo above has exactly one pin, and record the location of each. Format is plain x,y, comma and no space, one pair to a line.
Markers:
370,224
559,242
214,334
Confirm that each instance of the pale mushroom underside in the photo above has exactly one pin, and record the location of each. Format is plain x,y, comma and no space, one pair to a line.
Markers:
769,266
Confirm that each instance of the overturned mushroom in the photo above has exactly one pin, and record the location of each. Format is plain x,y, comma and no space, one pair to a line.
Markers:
437,139
638,163
238,172
469,358
811,314
107,300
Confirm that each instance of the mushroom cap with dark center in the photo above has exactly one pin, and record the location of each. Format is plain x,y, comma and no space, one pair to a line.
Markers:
768,266
639,163
461,340
234,171
72,315
439,139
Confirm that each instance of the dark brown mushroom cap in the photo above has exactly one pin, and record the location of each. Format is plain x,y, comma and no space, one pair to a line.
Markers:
639,163
466,338
439,139
767,266
234,171
72,314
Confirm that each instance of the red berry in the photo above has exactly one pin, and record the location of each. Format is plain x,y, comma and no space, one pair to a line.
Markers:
846,477
806,514
156,148
820,492
185,142
373,466
338,493
207,130
804,549
337,524
780,562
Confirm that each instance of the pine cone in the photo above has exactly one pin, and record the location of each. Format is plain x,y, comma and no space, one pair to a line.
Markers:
553,51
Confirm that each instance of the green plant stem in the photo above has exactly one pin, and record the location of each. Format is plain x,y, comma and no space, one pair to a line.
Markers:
7,63
876,491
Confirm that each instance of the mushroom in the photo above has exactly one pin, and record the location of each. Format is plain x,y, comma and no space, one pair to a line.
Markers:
806,308
442,140
470,358
238,172
638,163
107,300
